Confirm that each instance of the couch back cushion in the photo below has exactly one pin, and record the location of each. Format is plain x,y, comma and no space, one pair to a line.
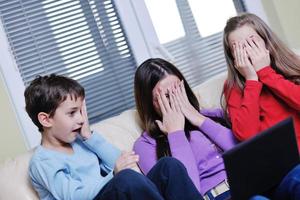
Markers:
209,92
121,130
14,182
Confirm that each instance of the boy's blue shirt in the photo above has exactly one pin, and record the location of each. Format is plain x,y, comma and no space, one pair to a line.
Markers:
57,175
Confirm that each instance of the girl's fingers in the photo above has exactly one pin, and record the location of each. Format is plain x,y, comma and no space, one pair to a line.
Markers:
176,102
183,92
250,51
172,101
243,59
165,100
253,46
161,104
234,47
160,125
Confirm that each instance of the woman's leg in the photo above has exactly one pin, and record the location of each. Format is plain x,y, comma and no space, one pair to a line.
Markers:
258,197
172,180
289,188
129,185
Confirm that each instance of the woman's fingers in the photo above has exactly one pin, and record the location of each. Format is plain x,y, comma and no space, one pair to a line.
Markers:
161,104
165,100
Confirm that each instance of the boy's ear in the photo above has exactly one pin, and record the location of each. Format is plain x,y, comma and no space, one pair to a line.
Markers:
44,119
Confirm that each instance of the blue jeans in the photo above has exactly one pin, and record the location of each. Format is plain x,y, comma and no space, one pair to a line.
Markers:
167,180
288,189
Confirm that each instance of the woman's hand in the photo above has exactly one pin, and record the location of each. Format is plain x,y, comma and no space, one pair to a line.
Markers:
242,62
127,160
259,55
186,107
172,117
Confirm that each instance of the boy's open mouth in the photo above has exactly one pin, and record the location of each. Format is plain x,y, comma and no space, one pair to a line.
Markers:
77,130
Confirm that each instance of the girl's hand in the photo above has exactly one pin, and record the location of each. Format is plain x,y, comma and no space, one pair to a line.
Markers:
85,128
127,160
242,62
172,118
259,55
186,107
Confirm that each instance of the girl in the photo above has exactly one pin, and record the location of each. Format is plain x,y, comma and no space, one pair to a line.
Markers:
173,126
262,87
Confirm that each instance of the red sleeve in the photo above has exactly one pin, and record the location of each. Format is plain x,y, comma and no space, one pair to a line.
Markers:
243,108
286,90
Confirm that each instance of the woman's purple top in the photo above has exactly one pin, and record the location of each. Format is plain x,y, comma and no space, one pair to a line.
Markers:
201,155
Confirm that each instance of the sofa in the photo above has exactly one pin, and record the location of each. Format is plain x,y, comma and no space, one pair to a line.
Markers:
121,130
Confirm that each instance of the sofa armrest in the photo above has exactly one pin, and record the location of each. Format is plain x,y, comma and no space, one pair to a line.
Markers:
15,182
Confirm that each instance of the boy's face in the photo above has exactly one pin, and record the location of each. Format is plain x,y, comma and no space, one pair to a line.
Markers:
66,122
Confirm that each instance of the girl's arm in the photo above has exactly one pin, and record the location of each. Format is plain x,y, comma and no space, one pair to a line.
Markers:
145,147
286,90
243,108
180,149
221,135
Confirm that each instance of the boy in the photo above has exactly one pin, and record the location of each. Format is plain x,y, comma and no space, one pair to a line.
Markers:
74,163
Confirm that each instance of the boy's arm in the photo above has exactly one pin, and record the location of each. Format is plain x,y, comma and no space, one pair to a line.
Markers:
97,144
107,152
63,184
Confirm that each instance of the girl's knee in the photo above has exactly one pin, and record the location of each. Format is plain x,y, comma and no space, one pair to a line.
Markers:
170,162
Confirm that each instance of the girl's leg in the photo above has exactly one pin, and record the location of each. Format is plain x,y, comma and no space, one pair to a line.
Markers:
258,197
172,180
129,185
289,188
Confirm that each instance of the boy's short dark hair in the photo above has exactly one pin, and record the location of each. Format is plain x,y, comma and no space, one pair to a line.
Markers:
46,93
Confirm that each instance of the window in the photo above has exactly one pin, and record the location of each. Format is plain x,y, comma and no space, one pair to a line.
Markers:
82,39
189,33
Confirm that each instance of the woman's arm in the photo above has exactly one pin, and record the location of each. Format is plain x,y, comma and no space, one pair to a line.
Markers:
243,108
286,90
180,149
221,135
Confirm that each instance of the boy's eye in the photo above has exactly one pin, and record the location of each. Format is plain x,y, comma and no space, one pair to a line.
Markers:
71,113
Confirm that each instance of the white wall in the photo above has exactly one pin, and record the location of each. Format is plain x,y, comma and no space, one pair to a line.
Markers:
11,142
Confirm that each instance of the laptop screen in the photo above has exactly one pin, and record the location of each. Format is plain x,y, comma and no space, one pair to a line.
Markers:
258,165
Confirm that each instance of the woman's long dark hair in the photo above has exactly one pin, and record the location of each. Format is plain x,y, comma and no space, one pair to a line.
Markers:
148,74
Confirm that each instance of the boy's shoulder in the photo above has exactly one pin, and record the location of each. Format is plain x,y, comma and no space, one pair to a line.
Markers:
41,156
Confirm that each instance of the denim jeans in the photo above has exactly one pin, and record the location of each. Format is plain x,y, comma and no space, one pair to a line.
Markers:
167,180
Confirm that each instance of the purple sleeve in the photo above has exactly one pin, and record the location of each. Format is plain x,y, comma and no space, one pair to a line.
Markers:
147,153
221,135
215,112
181,150
145,147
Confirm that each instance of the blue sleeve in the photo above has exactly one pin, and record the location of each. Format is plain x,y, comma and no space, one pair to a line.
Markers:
107,152
54,180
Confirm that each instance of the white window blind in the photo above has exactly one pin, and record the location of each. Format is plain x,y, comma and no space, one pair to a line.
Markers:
82,39
198,56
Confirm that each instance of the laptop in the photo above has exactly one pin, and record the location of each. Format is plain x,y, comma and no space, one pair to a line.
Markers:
258,165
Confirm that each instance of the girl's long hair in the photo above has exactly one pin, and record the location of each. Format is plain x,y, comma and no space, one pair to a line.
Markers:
283,60
148,74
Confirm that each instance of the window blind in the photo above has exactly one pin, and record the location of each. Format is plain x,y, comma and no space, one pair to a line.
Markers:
199,58
81,39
